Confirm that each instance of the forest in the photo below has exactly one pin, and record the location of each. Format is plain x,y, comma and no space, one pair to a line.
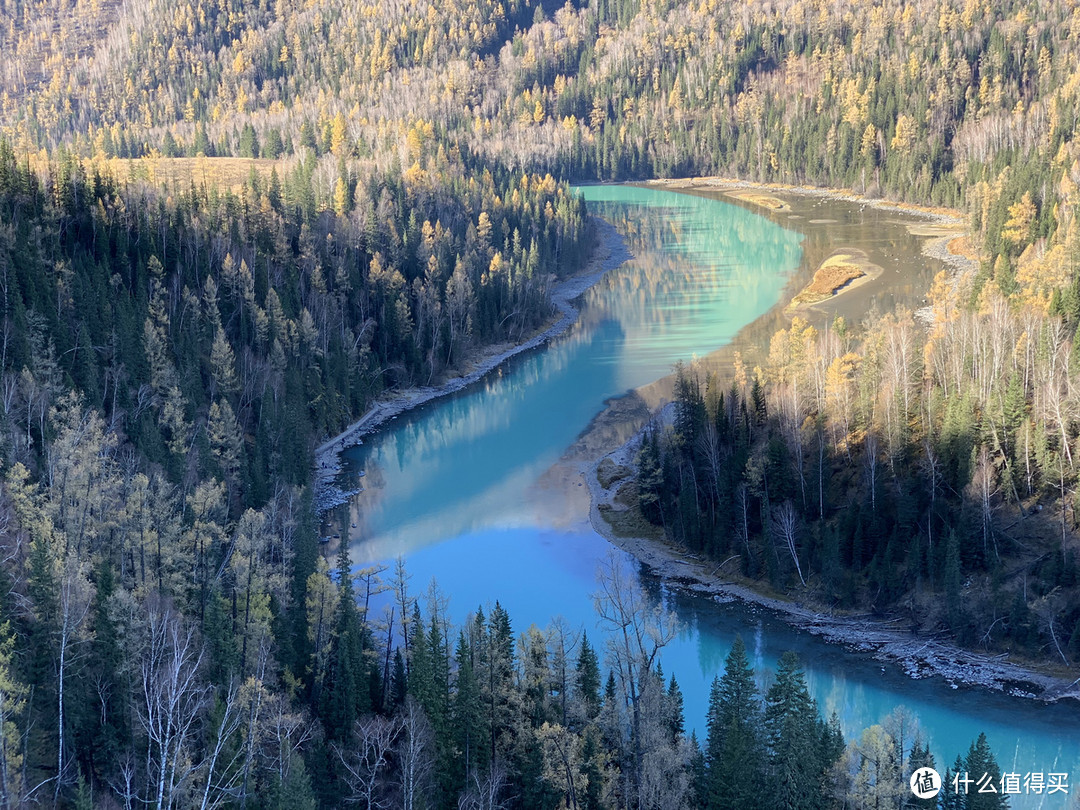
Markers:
173,345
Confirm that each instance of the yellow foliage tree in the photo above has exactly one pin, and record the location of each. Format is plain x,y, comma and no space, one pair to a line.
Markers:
904,138
338,136
1017,228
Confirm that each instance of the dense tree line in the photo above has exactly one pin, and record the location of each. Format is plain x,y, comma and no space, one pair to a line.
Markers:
220,334
280,691
168,365
918,471
921,100
170,352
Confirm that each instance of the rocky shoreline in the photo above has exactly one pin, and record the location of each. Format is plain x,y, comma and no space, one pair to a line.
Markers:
610,252
917,656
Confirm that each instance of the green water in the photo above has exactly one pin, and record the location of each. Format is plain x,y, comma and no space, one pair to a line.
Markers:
467,461
453,486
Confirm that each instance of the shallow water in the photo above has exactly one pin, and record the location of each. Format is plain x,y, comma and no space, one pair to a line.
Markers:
451,486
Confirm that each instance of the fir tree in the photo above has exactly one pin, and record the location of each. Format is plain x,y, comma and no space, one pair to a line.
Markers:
981,766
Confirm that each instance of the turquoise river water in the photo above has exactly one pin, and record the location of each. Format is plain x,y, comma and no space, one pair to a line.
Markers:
452,486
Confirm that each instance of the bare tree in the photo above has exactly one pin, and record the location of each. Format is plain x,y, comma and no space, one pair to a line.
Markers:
255,694
742,520
286,733
172,699
562,763
871,464
1048,608
366,761
930,465
221,777
640,630
414,753
485,790
123,784
786,524
563,641
983,487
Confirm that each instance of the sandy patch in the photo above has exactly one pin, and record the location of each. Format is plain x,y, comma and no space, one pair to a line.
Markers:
758,198
936,214
841,271
937,229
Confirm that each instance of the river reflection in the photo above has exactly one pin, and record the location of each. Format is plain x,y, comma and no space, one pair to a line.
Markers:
701,270
451,486
539,574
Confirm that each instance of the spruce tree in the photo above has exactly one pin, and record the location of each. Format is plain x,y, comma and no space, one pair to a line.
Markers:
983,768
676,719
346,695
592,767
470,735
791,723
735,753
921,757
954,799
588,678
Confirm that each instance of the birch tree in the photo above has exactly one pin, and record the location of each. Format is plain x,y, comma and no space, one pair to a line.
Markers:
639,631
172,698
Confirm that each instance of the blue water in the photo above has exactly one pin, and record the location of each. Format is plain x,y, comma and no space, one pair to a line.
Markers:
452,486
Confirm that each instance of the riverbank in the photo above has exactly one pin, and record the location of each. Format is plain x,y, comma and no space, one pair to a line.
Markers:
609,252
917,656
941,227
606,476
759,194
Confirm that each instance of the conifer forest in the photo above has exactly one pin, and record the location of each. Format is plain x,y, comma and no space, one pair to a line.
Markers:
230,228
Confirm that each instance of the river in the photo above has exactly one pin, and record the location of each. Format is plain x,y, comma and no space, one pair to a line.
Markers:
453,486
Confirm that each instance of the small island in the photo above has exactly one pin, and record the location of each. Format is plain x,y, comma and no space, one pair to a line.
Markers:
844,269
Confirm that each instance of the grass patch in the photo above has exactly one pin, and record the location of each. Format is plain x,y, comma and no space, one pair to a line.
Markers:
627,495
963,247
835,273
